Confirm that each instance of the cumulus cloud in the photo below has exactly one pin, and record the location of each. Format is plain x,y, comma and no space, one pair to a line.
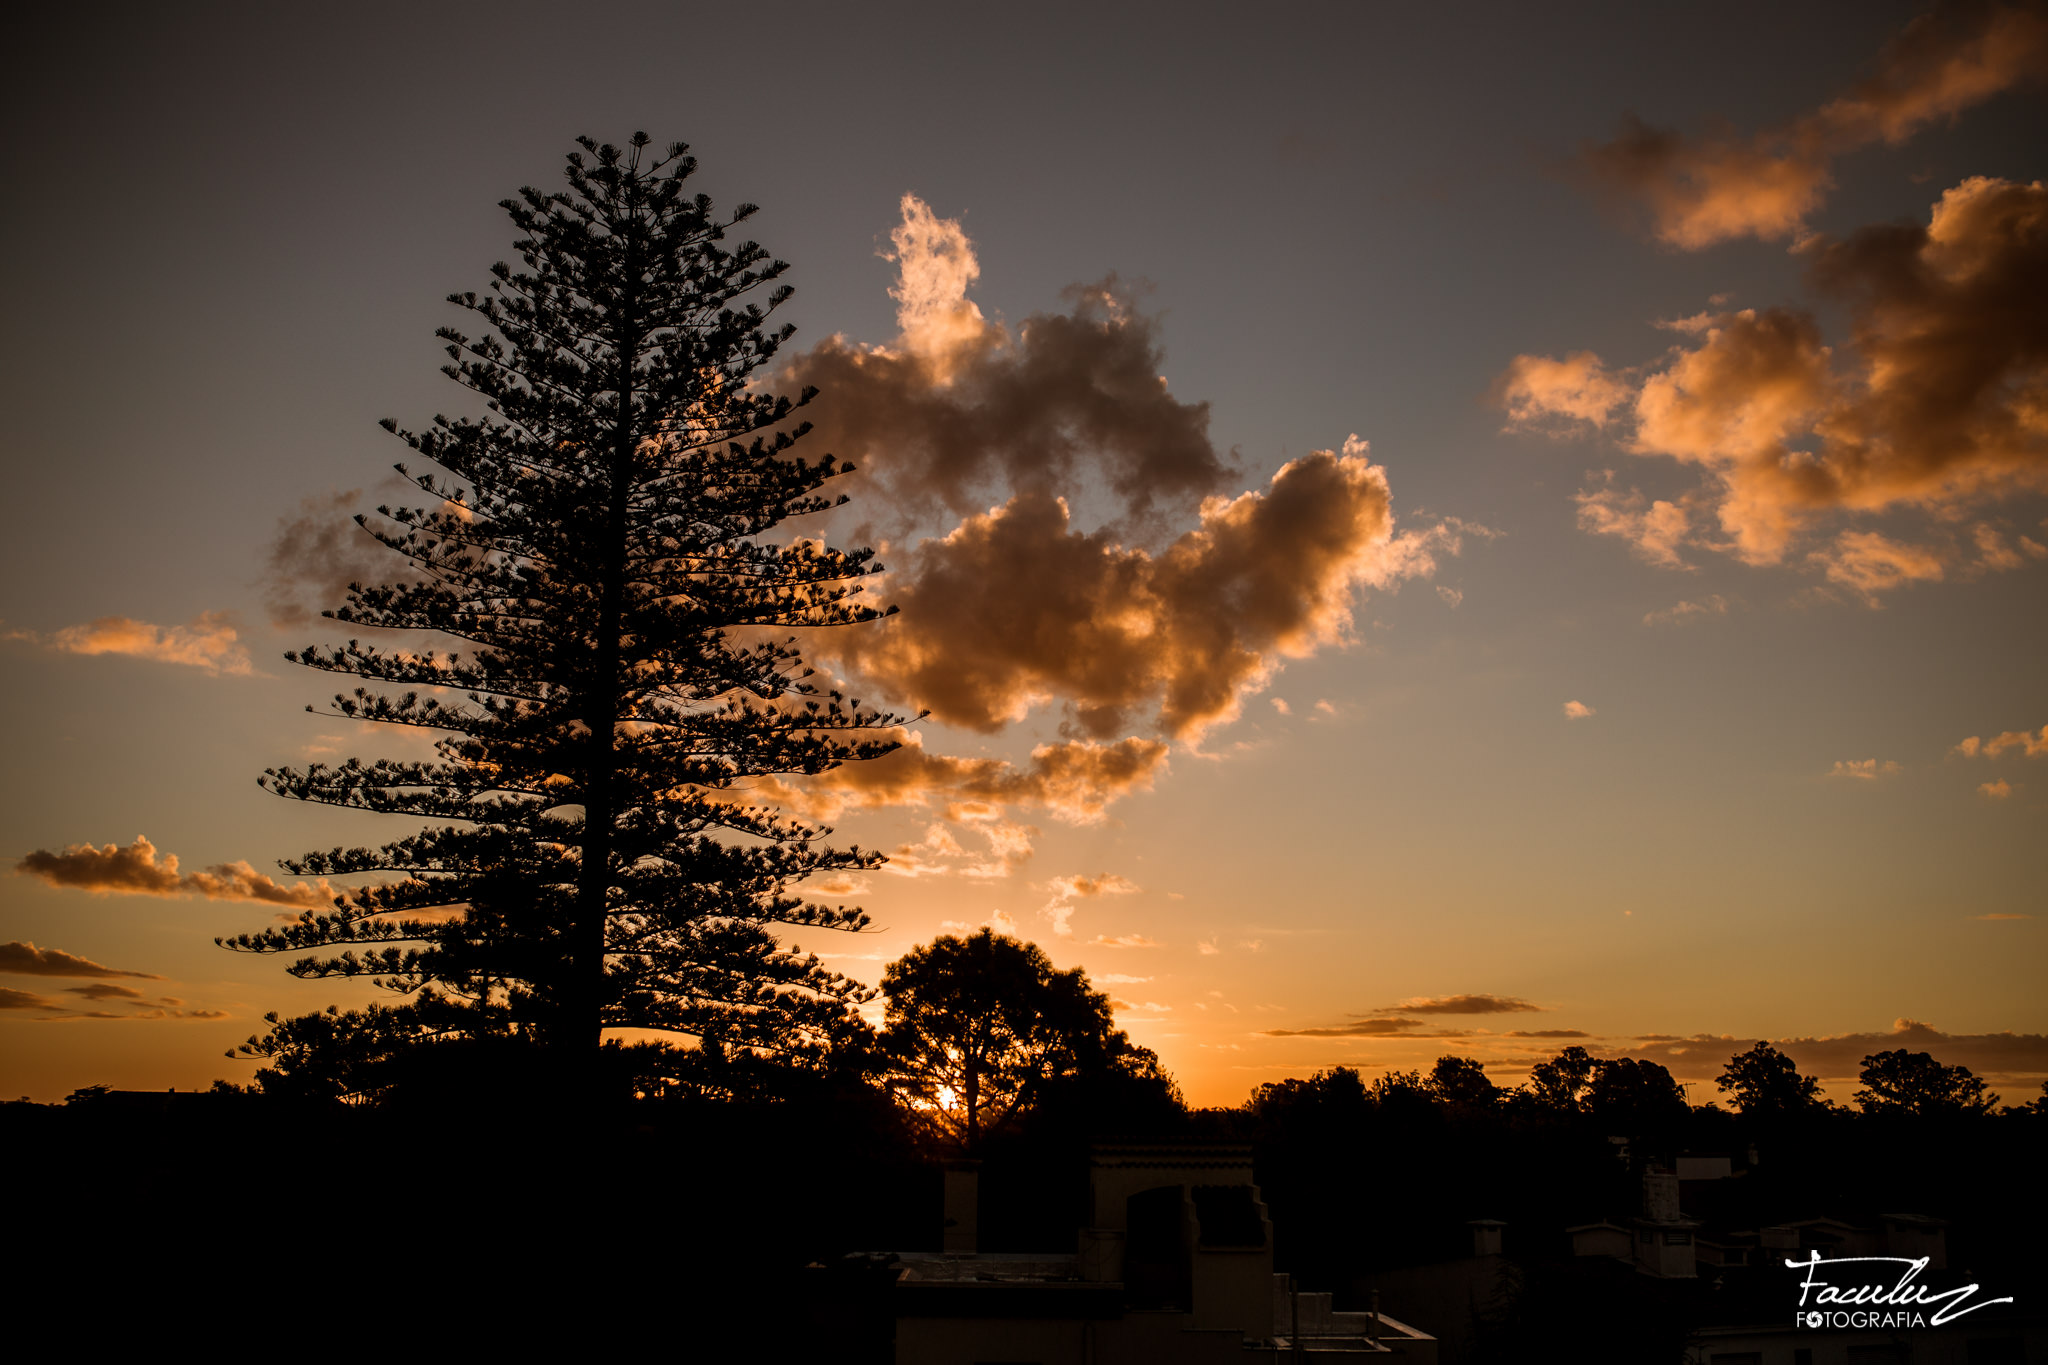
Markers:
1578,710
1114,631
1537,390
1721,185
1067,890
960,407
1996,791
2031,744
25,959
136,870
1462,1004
209,641
1170,609
1937,404
1863,769
1715,605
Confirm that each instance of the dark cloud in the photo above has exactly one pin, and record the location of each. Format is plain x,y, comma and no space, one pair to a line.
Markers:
1016,607
25,959
1547,1033
2003,1058
316,553
102,990
1363,1028
960,409
11,999
1462,1004
135,870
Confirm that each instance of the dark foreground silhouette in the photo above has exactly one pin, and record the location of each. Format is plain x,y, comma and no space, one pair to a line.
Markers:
458,1211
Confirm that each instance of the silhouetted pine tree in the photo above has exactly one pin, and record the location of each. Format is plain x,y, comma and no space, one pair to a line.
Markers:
596,540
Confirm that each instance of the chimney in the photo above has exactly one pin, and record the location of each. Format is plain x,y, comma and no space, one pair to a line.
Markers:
963,1196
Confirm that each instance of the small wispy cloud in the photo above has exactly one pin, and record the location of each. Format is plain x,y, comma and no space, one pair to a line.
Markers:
1863,769
1577,710
210,641
1715,605
1067,890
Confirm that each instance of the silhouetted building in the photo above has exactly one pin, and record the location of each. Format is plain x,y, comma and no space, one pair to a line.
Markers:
1176,1265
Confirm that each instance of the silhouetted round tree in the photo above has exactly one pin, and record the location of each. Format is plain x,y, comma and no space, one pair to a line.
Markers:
1898,1082
1462,1083
1561,1082
594,545
1765,1082
980,1028
1633,1096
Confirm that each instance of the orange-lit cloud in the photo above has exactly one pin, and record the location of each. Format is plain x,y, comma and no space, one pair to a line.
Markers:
1113,631
1578,710
1074,780
1654,529
1710,189
1067,890
1036,596
1996,791
1481,1003
960,409
1124,941
1938,404
11,999
136,870
209,641
25,959
2033,745
1536,389
1000,847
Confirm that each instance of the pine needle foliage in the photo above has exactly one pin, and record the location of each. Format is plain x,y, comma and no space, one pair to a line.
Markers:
593,546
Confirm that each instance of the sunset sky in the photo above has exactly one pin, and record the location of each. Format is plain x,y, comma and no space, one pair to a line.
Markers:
1457,532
